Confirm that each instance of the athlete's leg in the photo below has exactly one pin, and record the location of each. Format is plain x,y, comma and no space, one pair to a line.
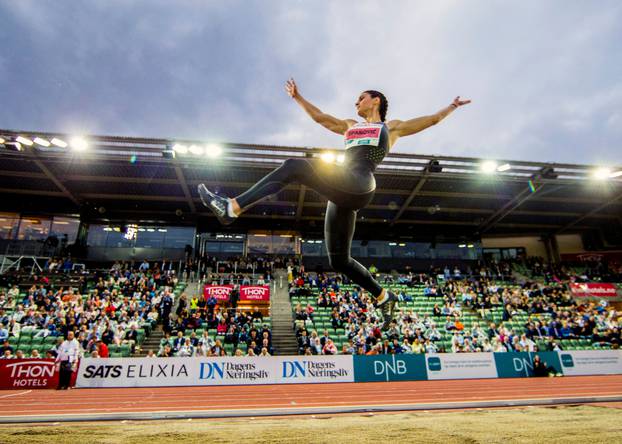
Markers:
339,225
334,182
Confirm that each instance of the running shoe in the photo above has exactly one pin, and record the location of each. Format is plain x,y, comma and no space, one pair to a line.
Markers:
388,308
216,203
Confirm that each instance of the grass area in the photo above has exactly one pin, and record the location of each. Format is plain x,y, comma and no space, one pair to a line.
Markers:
542,424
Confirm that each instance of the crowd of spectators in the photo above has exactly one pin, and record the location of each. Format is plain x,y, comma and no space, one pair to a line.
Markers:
121,301
220,329
550,312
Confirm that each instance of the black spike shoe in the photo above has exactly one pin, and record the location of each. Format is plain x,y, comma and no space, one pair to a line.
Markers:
216,203
388,308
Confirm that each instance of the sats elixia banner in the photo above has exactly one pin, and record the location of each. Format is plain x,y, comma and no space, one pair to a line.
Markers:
163,372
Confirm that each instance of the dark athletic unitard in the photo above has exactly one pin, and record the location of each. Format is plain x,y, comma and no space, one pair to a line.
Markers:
348,188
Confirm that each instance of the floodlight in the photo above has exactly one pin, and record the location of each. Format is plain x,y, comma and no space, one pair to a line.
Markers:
24,140
197,150
213,150
79,144
59,143
489,166
42,142
13,146
504,167
602,173
328,157
181,149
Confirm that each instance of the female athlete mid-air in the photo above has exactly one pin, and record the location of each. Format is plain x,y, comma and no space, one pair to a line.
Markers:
348,186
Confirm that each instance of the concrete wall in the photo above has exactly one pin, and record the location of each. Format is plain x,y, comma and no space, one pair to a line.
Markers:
570,243
533,245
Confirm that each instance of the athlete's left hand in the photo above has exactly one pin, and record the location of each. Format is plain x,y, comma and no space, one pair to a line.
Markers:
457,102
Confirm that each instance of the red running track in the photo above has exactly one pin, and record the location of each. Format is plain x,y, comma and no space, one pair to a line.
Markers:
25,405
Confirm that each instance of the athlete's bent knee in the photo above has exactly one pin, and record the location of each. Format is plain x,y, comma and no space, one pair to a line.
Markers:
339,262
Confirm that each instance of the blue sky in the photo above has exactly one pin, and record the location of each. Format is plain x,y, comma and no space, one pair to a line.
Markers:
545,77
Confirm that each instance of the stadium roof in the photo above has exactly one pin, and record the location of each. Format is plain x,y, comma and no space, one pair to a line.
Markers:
125,179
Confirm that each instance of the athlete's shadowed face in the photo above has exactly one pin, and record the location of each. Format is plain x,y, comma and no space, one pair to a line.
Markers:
366,104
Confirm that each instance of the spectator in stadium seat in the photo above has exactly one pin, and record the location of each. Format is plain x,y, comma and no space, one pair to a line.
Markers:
4,333
329,348
19,354
186,350
217,348
179,341
257,314
250,352
6,347
166,352
150,354
102,349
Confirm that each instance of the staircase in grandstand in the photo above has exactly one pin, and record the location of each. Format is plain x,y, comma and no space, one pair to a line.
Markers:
283,339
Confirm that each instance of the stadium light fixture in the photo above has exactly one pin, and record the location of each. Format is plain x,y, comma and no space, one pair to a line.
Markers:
197,150
13,146
212,150
602,173
504,167
2,140
180,149
470,246
24,140
42,142
401,244
59,142
79,144
392,244
488,166
462,246
327,157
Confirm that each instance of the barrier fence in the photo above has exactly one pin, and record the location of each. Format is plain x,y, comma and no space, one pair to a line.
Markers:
167,372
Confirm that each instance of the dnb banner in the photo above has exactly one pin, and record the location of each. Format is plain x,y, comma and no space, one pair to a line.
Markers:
28,373
163,372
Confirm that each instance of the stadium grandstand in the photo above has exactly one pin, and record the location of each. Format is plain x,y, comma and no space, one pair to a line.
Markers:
106,237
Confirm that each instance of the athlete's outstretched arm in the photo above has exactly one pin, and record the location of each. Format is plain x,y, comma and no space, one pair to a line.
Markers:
326,120
401,128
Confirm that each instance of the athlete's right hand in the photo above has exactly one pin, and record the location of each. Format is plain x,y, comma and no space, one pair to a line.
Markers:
291,88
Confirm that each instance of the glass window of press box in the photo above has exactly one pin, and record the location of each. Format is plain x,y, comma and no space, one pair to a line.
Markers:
144,237
386,249
29,228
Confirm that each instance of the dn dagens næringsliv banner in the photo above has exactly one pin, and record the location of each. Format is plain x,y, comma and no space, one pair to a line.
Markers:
28,373
591,362
162,372
220,292
594,290
255,293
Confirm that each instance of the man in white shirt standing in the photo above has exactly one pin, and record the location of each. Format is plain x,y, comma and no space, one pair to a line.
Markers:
67,360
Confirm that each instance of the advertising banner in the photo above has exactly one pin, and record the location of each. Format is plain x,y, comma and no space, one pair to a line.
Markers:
520,365
595,291
28,373
311,369
255,293
461,365
591,362
163,372
220,292
389,368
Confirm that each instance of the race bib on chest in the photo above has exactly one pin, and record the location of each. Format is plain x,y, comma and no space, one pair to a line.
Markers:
363,134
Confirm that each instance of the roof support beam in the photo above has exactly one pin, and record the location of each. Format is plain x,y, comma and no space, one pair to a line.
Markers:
410,197
590,214
301,202
506,209
184,187
53,178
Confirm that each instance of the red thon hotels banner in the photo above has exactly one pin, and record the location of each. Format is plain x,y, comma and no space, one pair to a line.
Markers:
594,290
255,293
28,374
220,292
